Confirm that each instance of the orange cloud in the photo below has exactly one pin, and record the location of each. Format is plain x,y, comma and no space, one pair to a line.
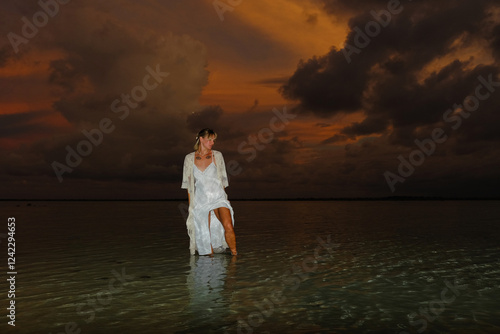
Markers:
298,27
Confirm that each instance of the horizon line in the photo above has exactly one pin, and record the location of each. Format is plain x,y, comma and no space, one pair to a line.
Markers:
387,198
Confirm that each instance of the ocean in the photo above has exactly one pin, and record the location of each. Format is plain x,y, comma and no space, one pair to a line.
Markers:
304,267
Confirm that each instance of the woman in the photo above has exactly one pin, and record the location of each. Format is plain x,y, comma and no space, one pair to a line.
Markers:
210,221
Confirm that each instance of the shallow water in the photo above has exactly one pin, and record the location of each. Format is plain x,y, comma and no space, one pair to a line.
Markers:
305,267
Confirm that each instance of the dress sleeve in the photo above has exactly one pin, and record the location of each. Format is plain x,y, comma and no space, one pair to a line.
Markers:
224,180
185,174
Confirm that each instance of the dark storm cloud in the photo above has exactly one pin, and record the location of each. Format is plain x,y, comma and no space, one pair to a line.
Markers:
334,139
64,74
495,41
226,126
337,7
5,54
320,85
99,50
401,84
383,79
16,125
99,60
96,52
414,105
206,118
323,125
368,126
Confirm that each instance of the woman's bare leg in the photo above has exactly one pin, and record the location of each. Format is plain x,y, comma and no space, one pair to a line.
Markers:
224,216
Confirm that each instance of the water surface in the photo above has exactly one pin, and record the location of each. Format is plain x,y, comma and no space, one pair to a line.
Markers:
305,267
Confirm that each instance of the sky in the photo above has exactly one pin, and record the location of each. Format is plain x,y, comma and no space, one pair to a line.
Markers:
309,98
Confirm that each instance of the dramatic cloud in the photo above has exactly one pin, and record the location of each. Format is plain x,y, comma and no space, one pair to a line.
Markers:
144,83
206,118
18,125
133,83
403,77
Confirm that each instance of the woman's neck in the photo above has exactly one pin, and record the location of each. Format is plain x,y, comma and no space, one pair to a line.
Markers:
203,152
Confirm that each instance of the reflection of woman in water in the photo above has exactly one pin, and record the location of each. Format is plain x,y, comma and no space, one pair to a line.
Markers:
210,221
210,284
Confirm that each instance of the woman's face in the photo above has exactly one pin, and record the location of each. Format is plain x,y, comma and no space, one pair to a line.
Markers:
208,142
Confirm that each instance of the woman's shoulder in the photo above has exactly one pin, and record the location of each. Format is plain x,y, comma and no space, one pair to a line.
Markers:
217,153
189,156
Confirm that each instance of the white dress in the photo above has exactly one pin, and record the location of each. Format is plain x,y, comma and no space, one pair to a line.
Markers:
209,195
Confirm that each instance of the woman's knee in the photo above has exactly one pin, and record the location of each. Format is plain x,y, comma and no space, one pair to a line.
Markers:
227,222
224,216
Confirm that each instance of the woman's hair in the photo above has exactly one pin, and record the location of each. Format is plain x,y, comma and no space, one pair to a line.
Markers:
205,133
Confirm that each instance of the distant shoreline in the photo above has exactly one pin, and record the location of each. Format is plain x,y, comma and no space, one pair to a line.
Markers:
341,199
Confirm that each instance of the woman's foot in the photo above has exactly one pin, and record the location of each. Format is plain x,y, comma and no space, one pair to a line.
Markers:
234,253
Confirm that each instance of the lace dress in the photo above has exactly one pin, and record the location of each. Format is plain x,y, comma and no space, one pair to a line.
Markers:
209,195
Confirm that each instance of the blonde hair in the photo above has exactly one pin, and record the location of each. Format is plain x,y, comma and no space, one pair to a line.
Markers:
205,133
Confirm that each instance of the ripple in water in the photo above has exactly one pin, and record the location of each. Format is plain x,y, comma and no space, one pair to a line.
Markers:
393,267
